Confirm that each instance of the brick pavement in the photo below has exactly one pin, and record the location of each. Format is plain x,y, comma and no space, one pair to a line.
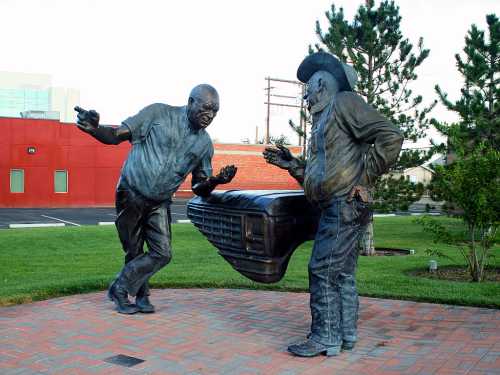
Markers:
237,332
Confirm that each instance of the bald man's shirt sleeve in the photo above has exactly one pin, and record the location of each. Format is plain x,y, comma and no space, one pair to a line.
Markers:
141,123
204,169
200,183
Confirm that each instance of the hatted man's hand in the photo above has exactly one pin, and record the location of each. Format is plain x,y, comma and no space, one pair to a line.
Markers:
226,174
279,156
360,193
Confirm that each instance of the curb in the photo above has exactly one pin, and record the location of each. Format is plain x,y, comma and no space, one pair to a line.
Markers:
38,225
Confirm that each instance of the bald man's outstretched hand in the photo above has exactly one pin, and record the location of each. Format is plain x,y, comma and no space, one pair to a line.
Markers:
87,121
226,174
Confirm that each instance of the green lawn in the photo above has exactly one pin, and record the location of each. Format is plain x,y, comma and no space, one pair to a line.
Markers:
40,263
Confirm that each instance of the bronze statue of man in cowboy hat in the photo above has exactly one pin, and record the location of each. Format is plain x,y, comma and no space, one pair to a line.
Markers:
350,146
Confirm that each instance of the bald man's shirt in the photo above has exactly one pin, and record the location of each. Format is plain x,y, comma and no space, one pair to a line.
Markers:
165,149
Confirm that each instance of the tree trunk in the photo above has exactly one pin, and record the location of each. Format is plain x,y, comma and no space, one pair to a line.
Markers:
366,246
476,273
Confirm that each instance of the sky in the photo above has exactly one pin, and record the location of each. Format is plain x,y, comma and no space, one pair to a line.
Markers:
125,54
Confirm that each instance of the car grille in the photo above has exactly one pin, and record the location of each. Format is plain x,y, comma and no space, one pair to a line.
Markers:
223,229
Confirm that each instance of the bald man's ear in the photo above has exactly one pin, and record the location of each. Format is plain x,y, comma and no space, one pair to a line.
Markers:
190,100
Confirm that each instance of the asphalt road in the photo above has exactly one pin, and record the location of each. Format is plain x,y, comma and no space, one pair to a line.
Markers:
73,216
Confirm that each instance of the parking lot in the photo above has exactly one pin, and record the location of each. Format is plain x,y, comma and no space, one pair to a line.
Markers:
37,217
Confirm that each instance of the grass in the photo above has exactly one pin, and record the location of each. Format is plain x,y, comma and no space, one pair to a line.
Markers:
37,264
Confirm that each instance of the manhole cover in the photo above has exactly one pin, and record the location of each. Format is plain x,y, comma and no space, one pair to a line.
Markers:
124,360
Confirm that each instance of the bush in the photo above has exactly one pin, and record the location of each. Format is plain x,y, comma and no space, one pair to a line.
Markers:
472,183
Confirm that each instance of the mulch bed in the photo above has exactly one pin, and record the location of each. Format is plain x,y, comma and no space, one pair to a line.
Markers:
386,251
456,273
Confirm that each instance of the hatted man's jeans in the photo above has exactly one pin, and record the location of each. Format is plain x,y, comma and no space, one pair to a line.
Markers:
332,285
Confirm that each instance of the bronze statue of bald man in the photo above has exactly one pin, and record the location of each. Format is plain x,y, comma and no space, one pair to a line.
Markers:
168,143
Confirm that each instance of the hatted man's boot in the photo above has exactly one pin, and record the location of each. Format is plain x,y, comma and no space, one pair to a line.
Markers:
311,348
348,345
119,296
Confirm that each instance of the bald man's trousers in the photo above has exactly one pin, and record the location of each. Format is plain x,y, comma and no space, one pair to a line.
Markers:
141,220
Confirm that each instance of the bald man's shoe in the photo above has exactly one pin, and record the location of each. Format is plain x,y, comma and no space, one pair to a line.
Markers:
144,305
142,300
120,297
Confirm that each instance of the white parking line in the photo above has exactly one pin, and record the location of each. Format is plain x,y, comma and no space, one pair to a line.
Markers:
106,223
37,225
183,221
64,221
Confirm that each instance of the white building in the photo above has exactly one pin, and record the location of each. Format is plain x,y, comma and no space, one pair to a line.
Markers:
32,95
417,174
422,173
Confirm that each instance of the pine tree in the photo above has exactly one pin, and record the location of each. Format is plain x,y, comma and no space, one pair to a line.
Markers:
478,107
385,62
471,178
386,65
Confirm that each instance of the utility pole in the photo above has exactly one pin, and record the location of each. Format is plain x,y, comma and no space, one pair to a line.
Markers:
285,97
303,122
268,109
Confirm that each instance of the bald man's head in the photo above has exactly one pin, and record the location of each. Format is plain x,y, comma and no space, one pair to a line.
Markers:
203,105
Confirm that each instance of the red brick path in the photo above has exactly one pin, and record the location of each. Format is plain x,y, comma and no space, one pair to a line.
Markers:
238,332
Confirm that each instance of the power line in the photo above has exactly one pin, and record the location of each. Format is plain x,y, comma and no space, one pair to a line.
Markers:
268,103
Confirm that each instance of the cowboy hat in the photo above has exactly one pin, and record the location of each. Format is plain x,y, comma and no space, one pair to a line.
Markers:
345,74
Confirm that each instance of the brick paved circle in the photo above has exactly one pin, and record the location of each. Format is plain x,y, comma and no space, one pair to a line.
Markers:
236,332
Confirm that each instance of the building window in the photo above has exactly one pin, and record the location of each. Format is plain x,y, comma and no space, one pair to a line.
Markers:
15,101
17,180
61,181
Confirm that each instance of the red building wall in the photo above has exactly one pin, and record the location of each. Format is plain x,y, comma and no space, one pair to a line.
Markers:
94,168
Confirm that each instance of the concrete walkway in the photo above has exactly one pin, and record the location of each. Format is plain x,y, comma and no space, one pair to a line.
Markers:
236,332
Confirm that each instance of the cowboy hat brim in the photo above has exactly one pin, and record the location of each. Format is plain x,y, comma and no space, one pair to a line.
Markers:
327,62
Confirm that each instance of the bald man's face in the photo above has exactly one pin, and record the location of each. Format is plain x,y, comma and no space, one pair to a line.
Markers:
202,108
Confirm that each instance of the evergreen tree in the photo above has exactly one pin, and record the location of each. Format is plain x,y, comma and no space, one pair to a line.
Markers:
384,60
471,179
478,107
396,194
386,64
